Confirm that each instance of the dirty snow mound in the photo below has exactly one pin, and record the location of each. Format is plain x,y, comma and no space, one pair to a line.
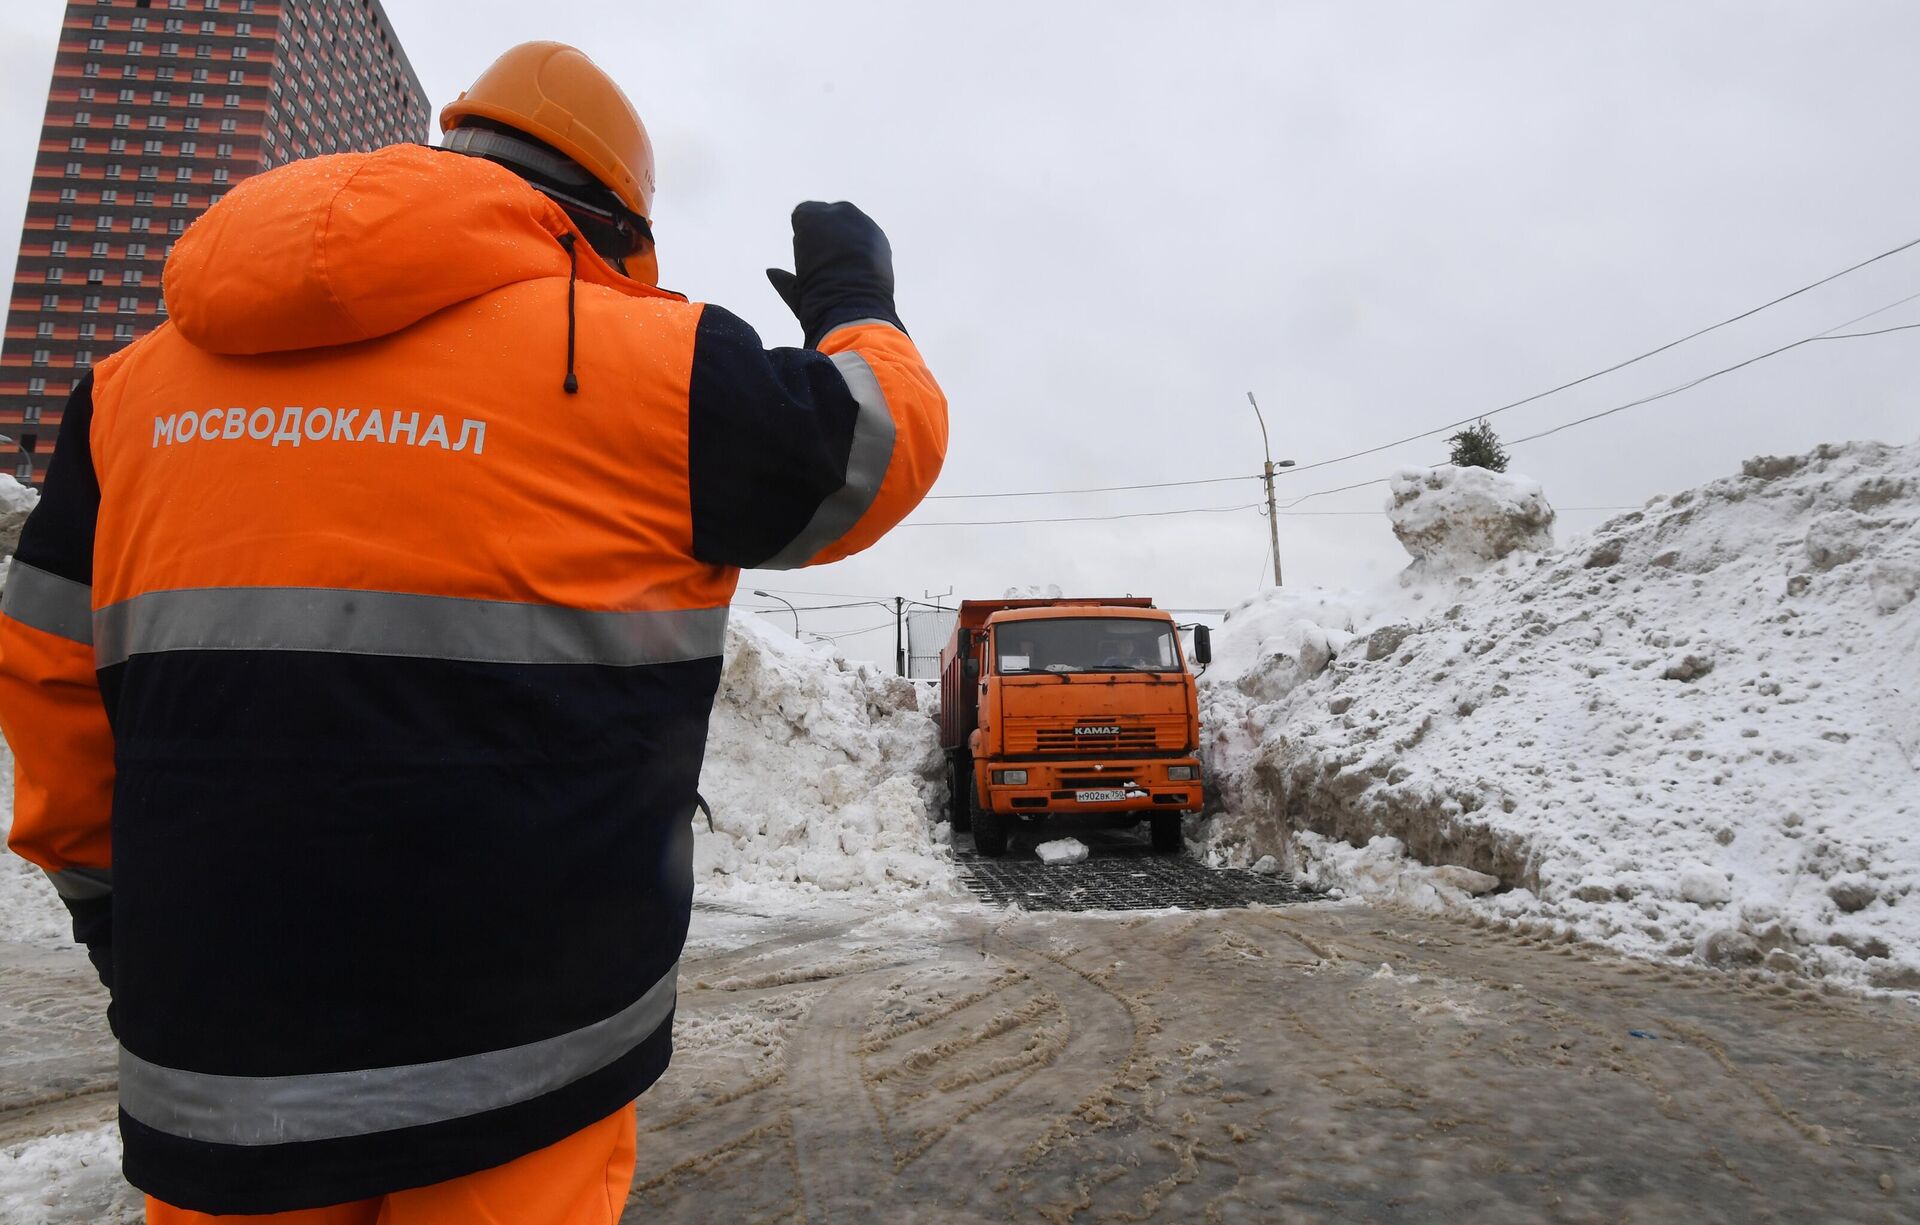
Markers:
1458,519
822,773
1694,734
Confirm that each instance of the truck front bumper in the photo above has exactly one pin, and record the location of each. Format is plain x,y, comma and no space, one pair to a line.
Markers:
1091,788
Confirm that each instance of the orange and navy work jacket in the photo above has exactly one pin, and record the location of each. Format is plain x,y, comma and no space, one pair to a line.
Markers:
358,675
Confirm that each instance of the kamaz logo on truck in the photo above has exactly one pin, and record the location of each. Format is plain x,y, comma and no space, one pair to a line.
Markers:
1107,729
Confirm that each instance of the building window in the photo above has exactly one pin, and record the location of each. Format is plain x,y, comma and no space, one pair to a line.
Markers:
130,302
199,75
96,276
132,277
177,225
136,250
162,98
123,331
244,29
239,53
59,247
109,195
96,44
189,148
87,330
77,144
163,73
236,77
100,21
191,123
103,221
42,356
233,99
229,125
112,170
224,150
90,303
63,221
91,70
203,52
82,119
139,224
49,301
137,47
156,121
83,358
220,174
69,195
196,98
73,170
100,249
183,175
123,120
56,275
149,173
37,386
46,327
179,199
117,145
30,414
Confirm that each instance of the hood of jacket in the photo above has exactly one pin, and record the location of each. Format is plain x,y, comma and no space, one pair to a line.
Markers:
339,249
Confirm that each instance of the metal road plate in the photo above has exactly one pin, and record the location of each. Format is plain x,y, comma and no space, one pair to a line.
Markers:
1098,797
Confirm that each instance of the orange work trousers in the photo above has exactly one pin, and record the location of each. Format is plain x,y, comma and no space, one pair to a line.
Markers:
582,1180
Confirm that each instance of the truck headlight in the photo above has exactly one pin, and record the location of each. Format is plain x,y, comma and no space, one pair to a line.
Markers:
1010,778
1182,774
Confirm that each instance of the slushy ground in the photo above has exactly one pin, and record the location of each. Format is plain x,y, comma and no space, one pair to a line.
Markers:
1323,1062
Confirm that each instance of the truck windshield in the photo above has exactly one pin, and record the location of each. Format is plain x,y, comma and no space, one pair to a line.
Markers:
1086,644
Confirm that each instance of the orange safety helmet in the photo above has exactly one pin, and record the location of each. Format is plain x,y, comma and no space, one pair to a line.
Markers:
555,93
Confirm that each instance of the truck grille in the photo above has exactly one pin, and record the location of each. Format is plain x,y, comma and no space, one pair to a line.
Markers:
1134,735
1070,741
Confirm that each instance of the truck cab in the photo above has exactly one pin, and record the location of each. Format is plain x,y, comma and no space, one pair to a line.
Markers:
1081,706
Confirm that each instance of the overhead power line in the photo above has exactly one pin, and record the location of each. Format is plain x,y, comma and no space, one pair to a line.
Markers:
1139,514
1440,429
1672,391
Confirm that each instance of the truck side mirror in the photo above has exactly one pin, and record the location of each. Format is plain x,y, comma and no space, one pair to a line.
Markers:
1202,645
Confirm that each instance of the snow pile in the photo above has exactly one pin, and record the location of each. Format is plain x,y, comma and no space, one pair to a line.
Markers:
821,773
16,503
71,1177
1454,519
1695,734
1061,851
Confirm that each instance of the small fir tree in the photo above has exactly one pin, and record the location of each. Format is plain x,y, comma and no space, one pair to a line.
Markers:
1478,447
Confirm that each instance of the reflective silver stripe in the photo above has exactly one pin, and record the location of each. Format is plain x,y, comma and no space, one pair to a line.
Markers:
48,602
396,623
873,436
80,884
256,1110
857,323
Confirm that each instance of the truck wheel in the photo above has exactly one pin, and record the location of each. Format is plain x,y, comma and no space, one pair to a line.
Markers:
1166,833
989,828
959,794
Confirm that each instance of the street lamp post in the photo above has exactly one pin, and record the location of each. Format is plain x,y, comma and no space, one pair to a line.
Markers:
1273,518
790,608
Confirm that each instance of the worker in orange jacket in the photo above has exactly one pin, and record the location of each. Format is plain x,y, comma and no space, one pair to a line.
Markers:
358,658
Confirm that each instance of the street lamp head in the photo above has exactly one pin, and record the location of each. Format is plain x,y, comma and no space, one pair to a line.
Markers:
1285,463
761,593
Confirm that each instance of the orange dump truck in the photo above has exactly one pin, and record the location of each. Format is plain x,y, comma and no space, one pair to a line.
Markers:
1086,706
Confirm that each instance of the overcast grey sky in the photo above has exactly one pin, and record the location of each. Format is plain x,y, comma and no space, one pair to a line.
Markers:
1112,220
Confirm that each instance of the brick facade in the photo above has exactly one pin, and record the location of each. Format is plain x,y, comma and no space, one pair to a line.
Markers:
157,108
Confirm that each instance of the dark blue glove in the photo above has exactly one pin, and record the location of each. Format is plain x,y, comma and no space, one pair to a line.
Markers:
843,270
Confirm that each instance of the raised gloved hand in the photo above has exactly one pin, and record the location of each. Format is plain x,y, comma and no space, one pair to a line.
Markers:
843,270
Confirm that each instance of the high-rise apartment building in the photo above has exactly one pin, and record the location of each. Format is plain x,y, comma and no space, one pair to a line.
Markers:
158,107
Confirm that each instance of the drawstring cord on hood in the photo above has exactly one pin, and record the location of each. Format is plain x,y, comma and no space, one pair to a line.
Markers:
572,384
